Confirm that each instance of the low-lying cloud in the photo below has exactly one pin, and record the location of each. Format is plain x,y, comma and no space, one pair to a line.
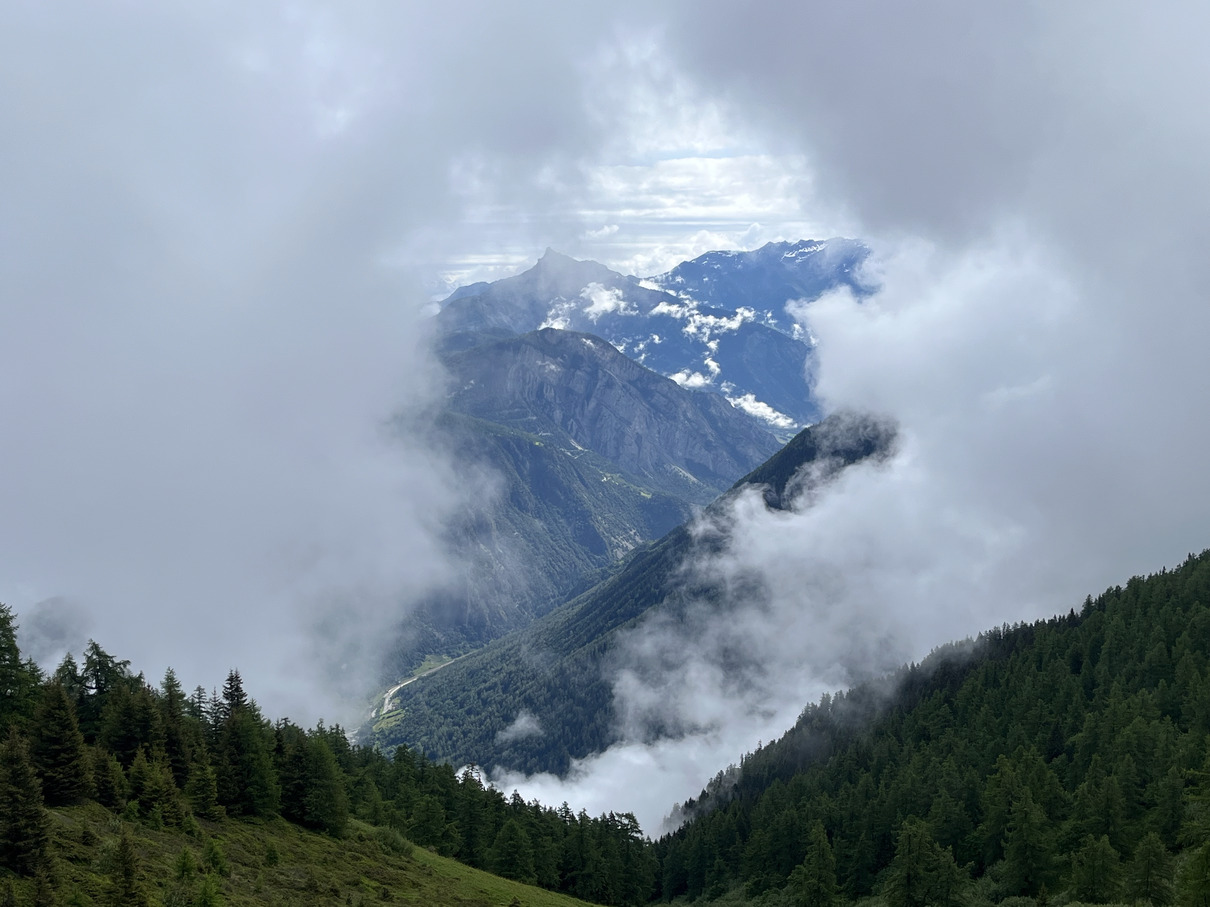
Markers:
1034,190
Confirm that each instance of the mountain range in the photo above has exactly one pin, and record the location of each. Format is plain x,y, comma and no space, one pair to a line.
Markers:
600,410
723,322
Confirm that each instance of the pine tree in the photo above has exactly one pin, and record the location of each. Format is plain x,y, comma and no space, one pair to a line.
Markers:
326,805
1195,879
208,893
512,853
922,873
1028,848
814,880
202,792
1095,871
101,675
234,697
24,825
16,680
1150,875
247,782
108,779
57,749
124,888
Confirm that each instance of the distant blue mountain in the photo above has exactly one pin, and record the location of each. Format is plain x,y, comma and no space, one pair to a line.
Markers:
718,323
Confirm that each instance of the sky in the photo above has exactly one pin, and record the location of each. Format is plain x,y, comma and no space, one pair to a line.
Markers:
221,227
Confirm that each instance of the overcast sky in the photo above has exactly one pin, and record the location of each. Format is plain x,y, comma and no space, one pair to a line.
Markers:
220,224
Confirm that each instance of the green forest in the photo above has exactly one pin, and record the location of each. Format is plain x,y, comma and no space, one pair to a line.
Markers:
96,735
1059,762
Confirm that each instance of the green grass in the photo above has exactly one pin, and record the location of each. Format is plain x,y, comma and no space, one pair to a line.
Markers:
272,863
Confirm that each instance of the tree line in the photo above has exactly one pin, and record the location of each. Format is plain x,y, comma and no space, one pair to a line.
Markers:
96,731
1068,757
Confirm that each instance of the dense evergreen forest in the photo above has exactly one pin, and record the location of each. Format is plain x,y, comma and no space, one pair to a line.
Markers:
1066,759
160,758
1062,761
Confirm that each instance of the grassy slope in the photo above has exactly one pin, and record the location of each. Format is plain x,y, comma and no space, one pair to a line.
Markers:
310,868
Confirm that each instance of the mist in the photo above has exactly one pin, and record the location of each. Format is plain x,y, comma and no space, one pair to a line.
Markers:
215,380
1030,181
220,227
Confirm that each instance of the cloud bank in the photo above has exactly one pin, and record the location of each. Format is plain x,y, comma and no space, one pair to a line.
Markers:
1031,177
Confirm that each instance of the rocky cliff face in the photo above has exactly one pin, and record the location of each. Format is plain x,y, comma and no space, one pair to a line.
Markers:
719,323
555,382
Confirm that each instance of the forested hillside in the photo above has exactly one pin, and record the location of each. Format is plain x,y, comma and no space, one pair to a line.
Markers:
1068,756
101,774
557,671
1066,760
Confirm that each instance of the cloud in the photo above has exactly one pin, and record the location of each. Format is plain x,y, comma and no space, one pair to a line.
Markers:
213,365
526,724
1031,177
753,407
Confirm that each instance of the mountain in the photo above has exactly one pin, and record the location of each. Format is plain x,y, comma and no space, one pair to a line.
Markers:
1067,757
554,671
562,383
589,455
718,323
766,278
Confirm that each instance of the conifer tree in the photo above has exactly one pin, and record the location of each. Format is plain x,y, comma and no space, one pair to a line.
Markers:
57,749
16,680
124,888
512,853
1150,875
108,779
44,891
1195,879
234,697
202,792
24,825
326,805
208,893
101,675
922,873
1028,848
247,782
814,880
1095,871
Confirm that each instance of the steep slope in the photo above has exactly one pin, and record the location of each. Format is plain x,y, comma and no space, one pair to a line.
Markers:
555,672
589,455
267,863
554,382
766,278
1032,756
718,323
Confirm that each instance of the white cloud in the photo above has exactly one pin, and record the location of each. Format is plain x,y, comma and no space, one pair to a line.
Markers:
753,407
526,724
604,300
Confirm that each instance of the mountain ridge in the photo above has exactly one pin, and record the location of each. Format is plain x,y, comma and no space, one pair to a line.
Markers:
721,322
555,667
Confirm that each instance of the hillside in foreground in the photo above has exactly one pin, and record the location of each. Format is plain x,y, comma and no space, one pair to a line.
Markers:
263,862
1062,761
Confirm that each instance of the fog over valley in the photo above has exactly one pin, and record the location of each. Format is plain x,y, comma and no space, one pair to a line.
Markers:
235,435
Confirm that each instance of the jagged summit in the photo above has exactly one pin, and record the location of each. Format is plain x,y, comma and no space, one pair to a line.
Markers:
718,323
